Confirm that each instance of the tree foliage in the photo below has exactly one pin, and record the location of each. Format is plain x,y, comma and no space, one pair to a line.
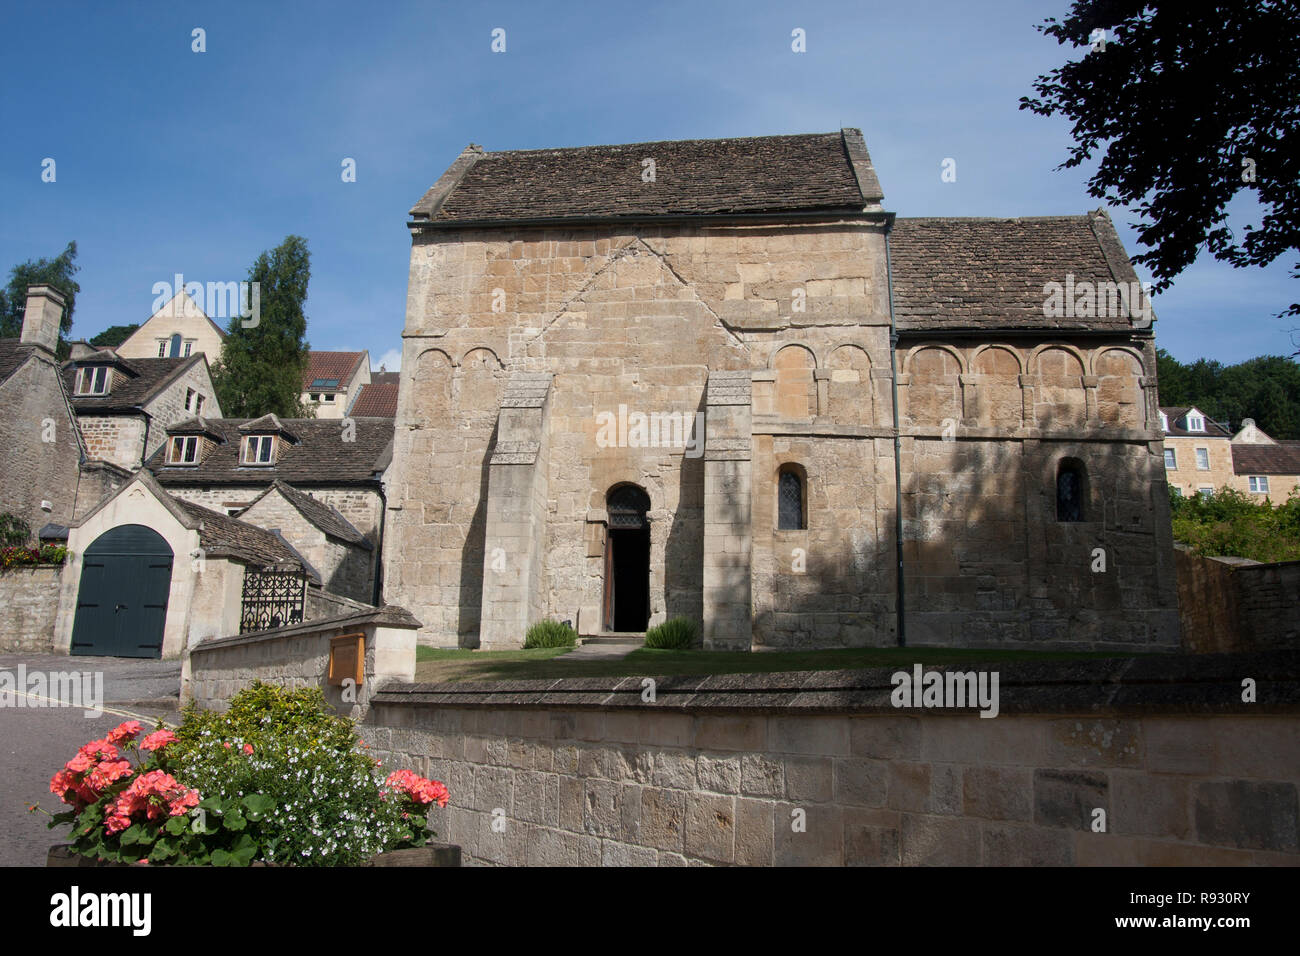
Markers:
1266,389
1231,524
57,272
263,359
114,335
1188,105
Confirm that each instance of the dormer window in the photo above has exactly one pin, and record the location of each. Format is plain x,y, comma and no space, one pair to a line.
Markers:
1164,422
1195,422
93,380
184,450
259,450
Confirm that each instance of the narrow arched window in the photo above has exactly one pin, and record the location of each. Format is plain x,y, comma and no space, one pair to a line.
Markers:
1069,490
790,512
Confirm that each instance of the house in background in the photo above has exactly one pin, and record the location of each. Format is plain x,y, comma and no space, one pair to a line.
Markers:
124,406
1264,467
379,398
41,478
179,329
1198,451
320,482
332,380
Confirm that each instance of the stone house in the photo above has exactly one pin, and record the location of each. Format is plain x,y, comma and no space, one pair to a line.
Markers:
718,379
320,482
332,380
378,399
1198,451
124,406
178,329
149,574
1264,467
41,477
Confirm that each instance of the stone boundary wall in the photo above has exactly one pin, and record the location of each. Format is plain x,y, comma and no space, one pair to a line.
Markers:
29,603
1233,604
719,770
298,656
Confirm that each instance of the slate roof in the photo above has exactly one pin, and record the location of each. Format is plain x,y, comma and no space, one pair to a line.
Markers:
12,355
1282,458
151,376
330,365
323,516
1175,414
376,399
385,378
320,458
223,536
958,273
759,174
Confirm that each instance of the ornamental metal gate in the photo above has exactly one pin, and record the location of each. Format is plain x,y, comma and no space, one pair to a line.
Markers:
272,598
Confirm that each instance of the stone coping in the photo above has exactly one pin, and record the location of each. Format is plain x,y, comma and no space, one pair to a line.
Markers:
390,615
1159,684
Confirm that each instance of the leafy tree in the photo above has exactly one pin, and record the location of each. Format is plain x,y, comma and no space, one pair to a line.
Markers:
114,335
1194,103
1266,389
263,360
56,272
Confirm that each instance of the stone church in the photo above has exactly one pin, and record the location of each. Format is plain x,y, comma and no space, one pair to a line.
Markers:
719,379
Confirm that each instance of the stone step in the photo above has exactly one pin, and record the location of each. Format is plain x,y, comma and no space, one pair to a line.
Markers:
616,637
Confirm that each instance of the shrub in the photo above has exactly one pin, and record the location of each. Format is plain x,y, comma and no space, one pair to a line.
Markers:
550,634
13,557
275,779
14,531
1232,524
676,633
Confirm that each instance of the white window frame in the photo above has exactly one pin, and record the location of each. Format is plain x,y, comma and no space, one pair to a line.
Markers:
189,446
1176,490
1259,484
185,352
253,444
1164,422
1206,490
1171,459
1195,423
87,378
162,348
1206,453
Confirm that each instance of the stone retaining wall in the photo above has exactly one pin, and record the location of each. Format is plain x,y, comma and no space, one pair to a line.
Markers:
819,768
1233,604
298,656
29,603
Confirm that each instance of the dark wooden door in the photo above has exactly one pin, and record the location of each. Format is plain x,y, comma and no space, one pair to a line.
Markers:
122,596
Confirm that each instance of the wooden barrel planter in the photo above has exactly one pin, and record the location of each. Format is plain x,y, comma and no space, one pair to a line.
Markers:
432,854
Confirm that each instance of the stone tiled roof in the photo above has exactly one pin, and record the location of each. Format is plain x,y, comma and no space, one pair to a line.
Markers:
376,399
760,174
385,378
952,273
1178,429
12,355
1282,458
319,458
330,365
223,536
145,380
323,516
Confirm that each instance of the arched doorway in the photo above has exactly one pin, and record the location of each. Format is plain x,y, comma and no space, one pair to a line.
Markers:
627,560
126,574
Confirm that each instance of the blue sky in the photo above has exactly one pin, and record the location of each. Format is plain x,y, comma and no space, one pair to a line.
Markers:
174,161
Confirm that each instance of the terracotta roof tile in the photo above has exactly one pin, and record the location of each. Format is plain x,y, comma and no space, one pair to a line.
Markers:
330,366
376,399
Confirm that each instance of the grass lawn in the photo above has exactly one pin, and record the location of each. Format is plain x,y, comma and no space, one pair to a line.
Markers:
442,664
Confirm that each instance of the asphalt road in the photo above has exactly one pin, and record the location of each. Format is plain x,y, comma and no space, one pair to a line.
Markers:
37,738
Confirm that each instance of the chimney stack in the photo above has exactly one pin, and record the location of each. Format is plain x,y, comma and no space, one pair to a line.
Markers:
43,317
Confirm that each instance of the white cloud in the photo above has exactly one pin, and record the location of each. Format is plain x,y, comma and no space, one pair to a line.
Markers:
391,360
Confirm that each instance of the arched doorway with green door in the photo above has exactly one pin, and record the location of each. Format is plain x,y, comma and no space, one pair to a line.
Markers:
126,576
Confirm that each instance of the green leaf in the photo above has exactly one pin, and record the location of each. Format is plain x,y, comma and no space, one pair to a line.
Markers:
221,858
234,820
177,825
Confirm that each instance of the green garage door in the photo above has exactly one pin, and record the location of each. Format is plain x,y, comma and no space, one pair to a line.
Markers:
122,599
